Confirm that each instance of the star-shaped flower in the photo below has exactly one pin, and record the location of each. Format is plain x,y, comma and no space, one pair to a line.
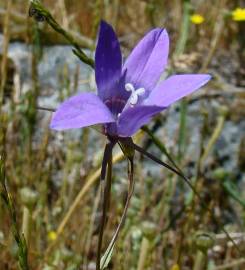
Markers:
129,94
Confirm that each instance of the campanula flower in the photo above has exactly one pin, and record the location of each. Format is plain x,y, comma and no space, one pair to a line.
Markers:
129,94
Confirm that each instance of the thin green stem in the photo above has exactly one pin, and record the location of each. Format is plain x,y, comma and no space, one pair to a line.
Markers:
105,194
40,12
130,193
26,222
159,144
19,238
217,131
184,31
182,129
180,48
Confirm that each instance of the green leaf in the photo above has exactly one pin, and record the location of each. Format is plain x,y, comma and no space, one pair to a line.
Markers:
106,258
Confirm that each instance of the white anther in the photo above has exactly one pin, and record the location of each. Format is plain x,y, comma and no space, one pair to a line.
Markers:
133,99
135,93
140,91
129,87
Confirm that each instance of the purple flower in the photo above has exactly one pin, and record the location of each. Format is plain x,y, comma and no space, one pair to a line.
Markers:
129,94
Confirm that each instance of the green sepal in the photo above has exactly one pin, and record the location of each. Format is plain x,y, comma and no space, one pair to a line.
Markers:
126,146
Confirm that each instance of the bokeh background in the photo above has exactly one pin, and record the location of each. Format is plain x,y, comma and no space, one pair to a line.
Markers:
53,177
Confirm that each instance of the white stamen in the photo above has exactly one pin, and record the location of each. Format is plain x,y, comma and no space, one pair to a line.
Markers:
135,93
129,87
133,99
140,91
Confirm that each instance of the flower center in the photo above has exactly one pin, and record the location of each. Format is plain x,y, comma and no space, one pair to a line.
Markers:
136,93
115,105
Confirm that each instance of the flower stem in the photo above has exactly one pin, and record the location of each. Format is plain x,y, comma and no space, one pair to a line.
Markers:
180,48
217,131
199,260
159,145
182,129
143,253
184,32
26,223
130,193
39,10
105,195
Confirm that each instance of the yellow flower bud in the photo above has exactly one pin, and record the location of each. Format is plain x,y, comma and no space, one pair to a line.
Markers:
52,235
175,267
197,19
238,14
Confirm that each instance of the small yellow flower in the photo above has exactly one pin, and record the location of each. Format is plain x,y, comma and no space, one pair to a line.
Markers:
238,14
175,267
197,19
52,235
